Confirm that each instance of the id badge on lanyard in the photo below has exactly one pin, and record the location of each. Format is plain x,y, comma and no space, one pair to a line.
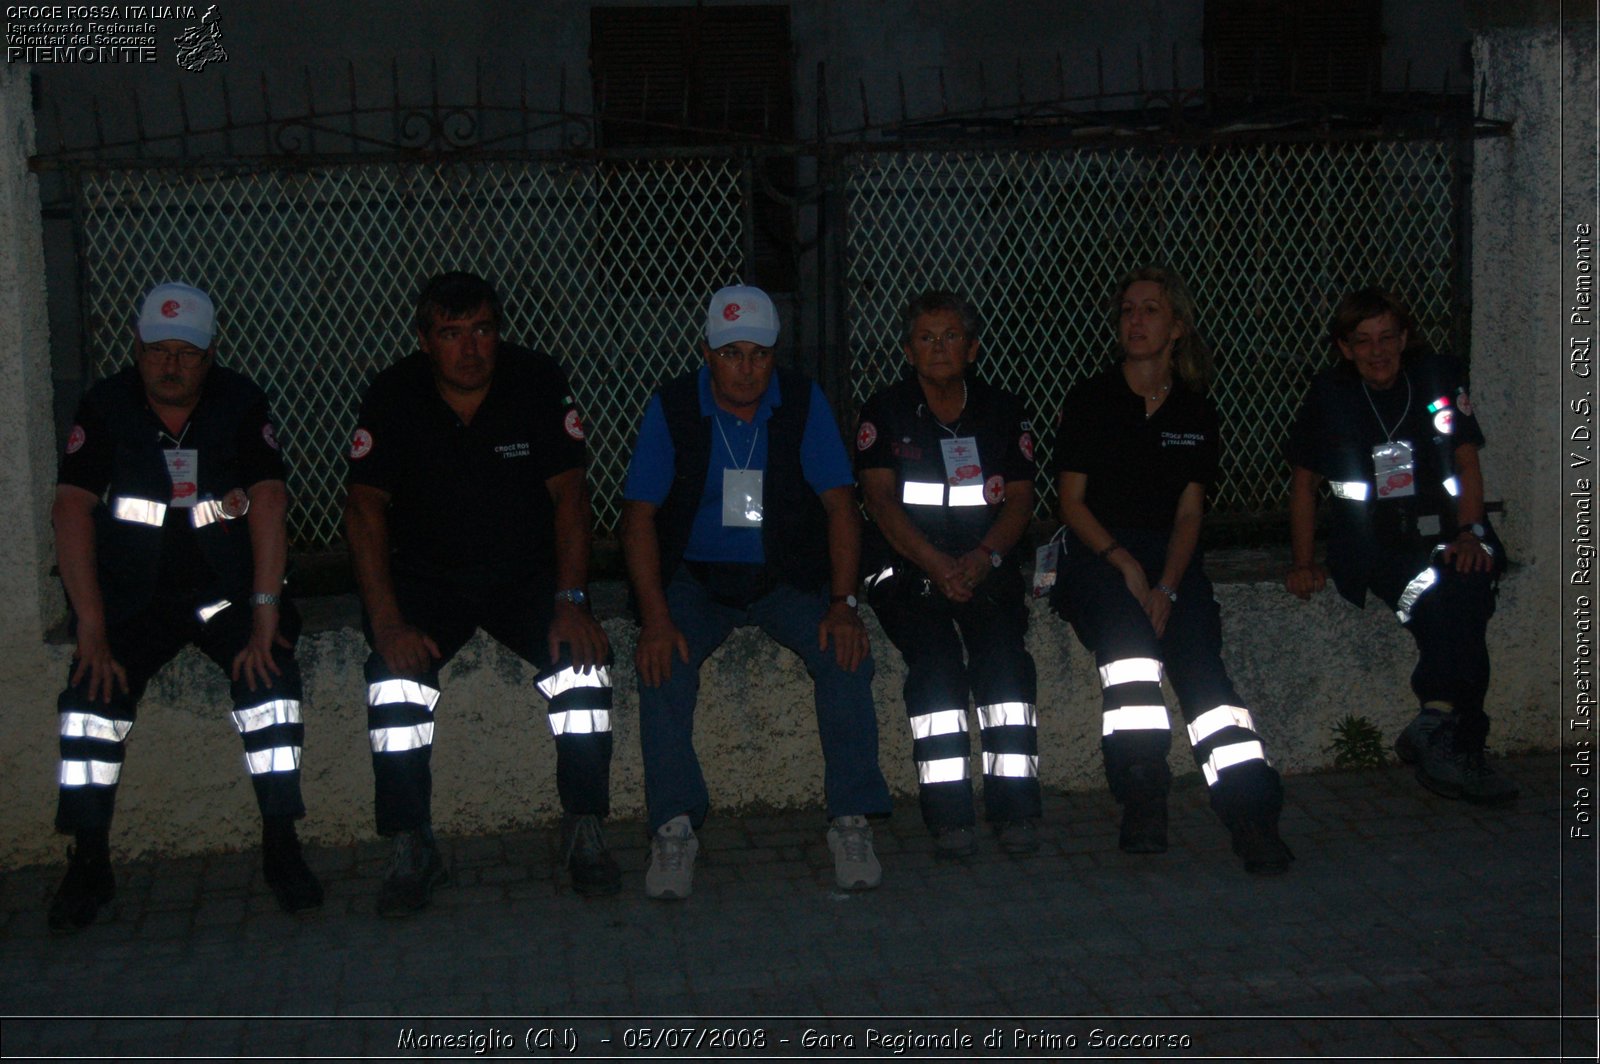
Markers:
1395,469
961,464
741,486
183,467
741,498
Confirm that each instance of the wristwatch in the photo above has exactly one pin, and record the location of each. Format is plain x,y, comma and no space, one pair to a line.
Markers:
1476,529
262,598
848,600
575,595
996,559
1167,591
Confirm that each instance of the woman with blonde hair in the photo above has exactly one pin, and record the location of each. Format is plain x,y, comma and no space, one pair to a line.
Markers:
1137,451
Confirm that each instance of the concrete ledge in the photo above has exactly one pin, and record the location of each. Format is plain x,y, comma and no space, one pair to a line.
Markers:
1300,667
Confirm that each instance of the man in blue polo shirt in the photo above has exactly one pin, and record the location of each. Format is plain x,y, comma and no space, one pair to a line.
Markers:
740,509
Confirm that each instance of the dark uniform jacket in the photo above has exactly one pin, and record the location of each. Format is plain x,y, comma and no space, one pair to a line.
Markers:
1339,424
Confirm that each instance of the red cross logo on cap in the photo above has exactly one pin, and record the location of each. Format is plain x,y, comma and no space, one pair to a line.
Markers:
731,312
170,309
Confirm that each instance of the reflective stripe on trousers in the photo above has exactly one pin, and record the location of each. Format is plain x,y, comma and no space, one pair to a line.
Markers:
90,773
405,737
1413,591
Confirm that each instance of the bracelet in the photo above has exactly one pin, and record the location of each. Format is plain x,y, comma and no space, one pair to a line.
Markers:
263,598
1105,554
1167,591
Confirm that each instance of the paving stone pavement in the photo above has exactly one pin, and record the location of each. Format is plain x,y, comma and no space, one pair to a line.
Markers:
1409,927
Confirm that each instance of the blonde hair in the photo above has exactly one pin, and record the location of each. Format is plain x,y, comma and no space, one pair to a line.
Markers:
1191,358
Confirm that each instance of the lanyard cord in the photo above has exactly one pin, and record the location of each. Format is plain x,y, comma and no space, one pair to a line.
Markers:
954,428
177,441
1388,433
729,446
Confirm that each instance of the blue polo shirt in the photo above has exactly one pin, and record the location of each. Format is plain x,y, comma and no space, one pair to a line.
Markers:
740,445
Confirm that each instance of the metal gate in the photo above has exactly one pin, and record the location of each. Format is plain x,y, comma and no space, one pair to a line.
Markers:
314,272
604,259
1269,237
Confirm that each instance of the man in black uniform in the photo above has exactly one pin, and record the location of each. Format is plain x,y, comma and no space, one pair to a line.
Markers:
468,508
162,462
946,467
1394,434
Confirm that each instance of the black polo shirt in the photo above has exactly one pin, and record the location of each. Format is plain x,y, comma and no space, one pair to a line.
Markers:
469,501
1137,467
897,431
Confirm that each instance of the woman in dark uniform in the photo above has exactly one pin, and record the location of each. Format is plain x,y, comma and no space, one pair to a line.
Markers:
1137,451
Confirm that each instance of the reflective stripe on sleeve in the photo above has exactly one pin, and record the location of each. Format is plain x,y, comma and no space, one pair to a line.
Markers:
1212,721
922,493
1453,486
1227,756
277,759
1357,490
1002,714
1408,598
569,678
1130,670
278,711
942,770
1135,718
211,609
580,722
939,722
390,692
139,511
399,740
90,773
205,512
94,726
968,495
1012,766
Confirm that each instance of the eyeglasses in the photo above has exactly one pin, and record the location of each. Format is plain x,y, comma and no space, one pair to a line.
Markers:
730,355
950,338
188,356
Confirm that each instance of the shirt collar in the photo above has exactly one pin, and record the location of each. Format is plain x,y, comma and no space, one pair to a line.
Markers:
770,399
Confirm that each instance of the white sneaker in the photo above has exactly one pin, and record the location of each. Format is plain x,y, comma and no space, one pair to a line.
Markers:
670,876
855,866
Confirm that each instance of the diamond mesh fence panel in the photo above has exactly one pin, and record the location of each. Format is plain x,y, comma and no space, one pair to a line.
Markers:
315,272
1268,237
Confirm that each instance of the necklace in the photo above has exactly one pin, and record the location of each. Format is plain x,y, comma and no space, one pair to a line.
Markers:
1156,398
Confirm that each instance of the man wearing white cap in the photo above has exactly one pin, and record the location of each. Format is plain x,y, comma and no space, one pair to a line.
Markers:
740,509
169,518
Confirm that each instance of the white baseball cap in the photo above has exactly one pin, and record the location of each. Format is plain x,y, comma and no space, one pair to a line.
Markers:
741,312
177,312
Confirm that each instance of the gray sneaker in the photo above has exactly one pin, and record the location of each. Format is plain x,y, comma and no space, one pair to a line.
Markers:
1414,739
855,866
1462,774
670,876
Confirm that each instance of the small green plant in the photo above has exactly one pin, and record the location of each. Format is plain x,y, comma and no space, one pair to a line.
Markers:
1357,743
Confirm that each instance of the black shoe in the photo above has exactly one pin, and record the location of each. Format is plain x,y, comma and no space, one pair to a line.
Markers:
414,871
1144,826
955,842
87,885
1019,836
1256,841
285,870
594,871
1454,773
